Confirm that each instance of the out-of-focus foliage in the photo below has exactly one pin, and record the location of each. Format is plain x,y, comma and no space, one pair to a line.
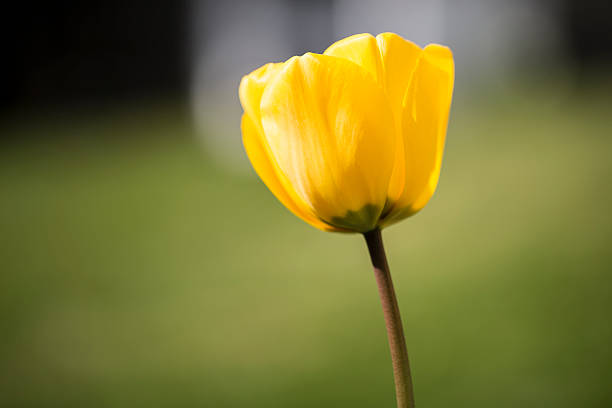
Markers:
135,273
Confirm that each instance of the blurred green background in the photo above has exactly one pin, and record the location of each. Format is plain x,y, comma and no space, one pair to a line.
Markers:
136,272
143,264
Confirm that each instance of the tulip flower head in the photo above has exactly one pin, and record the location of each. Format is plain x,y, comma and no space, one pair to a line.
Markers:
351,140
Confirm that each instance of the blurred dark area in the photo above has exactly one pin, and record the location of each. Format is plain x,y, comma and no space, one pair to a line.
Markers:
588,36
70,54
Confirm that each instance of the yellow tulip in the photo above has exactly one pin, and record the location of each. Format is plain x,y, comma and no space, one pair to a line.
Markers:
352,139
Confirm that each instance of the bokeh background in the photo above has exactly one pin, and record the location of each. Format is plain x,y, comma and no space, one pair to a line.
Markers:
144,265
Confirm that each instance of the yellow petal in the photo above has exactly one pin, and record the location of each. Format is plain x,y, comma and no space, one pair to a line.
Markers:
391,60
361,49
331,131
252,87
399,58
265,168
250,92
425,118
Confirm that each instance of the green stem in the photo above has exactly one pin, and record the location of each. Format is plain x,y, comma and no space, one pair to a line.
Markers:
393,321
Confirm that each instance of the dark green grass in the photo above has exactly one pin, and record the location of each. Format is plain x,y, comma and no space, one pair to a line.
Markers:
135,273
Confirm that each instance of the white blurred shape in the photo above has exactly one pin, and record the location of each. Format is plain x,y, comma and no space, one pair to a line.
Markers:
420,21
229,42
